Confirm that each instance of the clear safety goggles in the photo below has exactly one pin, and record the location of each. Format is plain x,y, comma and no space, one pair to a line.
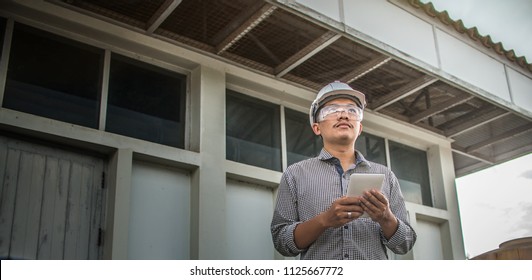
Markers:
334,111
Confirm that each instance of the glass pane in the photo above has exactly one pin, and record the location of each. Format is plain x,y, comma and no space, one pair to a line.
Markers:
253,133
411,168
372,147
2,33
53,77
146,102
301,142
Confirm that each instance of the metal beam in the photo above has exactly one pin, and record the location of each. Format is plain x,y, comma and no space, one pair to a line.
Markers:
161,14
311,49
236,22
459,172
265,49
365,68
501,137
514,153
460,150
461,98
263,13
473,120
403,92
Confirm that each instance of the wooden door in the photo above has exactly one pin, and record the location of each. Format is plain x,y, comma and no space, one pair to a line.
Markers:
51,202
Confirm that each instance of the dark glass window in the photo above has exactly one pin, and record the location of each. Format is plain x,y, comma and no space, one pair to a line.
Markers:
146,102
411,168
253,133
53,77
372,147
301,142
2,33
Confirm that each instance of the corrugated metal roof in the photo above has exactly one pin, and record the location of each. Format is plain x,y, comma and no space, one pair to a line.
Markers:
473,33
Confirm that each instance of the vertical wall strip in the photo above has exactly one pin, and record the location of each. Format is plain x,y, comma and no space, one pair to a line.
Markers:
284,153
436,45
105,89
4,57
387,153
507,77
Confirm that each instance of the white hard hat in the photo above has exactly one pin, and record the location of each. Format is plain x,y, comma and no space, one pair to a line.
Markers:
332,91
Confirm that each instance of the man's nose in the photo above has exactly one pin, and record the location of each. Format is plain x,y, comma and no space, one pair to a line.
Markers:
343,114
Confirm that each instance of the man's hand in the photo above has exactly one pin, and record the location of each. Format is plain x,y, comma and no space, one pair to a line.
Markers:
342,211
378,208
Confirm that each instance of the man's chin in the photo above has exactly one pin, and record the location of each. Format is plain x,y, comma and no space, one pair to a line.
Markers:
345,139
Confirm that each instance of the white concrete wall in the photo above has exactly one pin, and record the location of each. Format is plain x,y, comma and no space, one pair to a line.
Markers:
159,220
249,213
428,244
521,89
393,26
467,63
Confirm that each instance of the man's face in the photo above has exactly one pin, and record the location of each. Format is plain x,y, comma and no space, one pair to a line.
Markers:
341,122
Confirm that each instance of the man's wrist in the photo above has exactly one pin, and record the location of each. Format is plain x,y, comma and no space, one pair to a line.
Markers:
389,221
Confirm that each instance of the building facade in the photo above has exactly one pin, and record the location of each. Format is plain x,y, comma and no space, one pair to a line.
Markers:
125,135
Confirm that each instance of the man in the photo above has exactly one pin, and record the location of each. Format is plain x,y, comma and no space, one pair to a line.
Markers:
313,217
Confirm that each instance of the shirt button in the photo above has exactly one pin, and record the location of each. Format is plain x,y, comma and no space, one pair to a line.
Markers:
346,256
346,227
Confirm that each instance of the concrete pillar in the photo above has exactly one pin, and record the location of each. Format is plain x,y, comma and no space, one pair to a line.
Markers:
208,233
119,195
445,197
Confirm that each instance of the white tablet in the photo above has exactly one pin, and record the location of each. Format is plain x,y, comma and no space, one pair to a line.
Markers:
360,182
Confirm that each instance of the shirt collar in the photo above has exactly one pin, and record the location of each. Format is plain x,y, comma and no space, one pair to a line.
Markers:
360,159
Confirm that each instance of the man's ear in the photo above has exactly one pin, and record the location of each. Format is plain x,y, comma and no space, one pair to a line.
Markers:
316,129
360,130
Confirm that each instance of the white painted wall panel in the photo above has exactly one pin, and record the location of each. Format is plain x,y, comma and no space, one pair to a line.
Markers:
521,88
249,214
329,8
393,26
472,66
428,243
159,226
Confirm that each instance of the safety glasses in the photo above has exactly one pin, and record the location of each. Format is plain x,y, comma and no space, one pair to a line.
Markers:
334,111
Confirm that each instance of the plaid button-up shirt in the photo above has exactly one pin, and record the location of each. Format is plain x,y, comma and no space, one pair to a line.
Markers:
309,187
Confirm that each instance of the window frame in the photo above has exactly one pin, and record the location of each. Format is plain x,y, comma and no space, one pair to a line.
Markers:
280,117
57,38
104,75
151,62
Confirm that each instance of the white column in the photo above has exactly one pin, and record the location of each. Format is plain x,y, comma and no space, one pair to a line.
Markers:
119,191
445,197
208,233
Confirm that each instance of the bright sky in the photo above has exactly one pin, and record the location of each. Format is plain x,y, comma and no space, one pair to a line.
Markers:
496,203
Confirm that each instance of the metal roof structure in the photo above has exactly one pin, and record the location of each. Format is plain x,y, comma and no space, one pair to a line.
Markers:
272,40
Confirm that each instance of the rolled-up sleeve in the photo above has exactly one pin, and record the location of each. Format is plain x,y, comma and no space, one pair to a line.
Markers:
404,238
285,219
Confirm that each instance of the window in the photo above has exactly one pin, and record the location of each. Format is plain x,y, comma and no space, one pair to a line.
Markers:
2,34
301,142
253,133
146,102
53,77
372,147
411,168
